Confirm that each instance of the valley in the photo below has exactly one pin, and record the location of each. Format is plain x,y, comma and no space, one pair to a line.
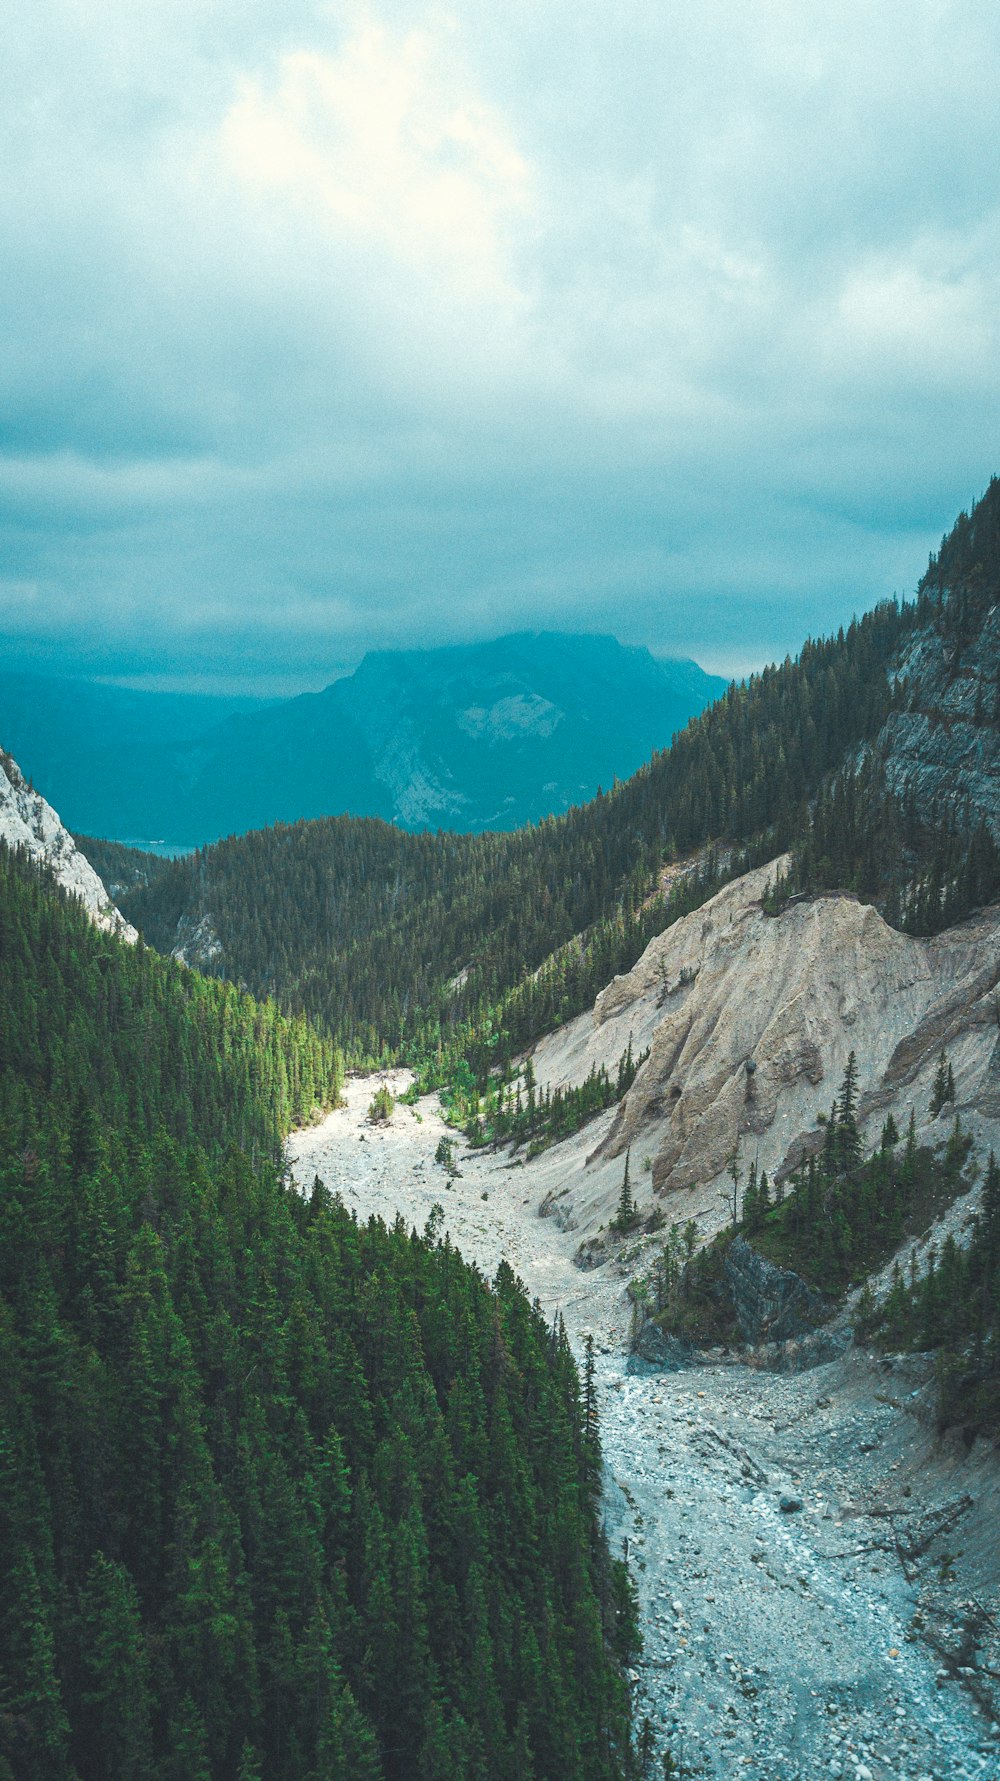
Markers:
500,894
824,1637
718,1054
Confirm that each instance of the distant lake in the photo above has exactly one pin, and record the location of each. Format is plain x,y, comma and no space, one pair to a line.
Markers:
167,850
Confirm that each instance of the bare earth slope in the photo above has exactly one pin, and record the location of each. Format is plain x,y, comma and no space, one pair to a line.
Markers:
791,996
782,1644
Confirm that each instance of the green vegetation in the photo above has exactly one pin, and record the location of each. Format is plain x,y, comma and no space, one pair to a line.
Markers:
951,1303
382,1104
843,1219
279,1495
837,1221
925,870
626,1218
511,1110
94,1032
943,1092
926,866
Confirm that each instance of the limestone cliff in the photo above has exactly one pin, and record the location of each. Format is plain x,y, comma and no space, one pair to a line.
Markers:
29,823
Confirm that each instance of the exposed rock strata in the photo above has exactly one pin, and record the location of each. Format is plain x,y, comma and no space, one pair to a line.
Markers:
771,1304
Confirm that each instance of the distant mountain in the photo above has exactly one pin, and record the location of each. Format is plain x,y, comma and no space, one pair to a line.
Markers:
480,736
472,737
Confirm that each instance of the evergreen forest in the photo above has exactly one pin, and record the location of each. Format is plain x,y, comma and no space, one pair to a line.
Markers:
280,1495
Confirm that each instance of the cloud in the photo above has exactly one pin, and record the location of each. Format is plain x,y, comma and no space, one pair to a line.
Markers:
374,142
330,325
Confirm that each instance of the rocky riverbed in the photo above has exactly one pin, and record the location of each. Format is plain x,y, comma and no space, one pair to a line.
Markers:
818,1577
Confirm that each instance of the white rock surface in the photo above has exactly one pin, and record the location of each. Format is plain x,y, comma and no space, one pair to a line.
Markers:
29,823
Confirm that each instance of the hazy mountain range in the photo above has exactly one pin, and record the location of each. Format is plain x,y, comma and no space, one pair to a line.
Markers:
472,737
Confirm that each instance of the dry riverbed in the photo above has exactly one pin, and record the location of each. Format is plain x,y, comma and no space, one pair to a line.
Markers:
815,1576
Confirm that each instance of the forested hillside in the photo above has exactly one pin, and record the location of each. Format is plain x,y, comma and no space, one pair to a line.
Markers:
98,1035
279,1495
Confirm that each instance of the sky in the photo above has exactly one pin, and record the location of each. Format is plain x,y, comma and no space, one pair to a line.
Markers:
335,327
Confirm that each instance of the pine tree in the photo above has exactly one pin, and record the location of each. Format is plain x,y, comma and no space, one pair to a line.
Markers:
848,1137
115,1725
625,1219
943,1091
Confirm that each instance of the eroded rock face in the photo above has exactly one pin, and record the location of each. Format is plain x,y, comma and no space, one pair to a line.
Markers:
29,823
791,995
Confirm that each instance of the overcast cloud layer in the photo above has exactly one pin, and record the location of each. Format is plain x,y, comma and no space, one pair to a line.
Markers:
327,327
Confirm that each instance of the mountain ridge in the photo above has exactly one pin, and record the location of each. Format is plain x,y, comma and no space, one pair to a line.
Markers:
466,736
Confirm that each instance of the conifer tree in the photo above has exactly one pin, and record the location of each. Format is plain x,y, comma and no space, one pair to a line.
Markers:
625,1218
944,1086
848,1137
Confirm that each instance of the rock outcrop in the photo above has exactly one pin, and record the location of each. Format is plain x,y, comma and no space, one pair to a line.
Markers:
29,823
655,1351
943,748
771,1304
198,944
